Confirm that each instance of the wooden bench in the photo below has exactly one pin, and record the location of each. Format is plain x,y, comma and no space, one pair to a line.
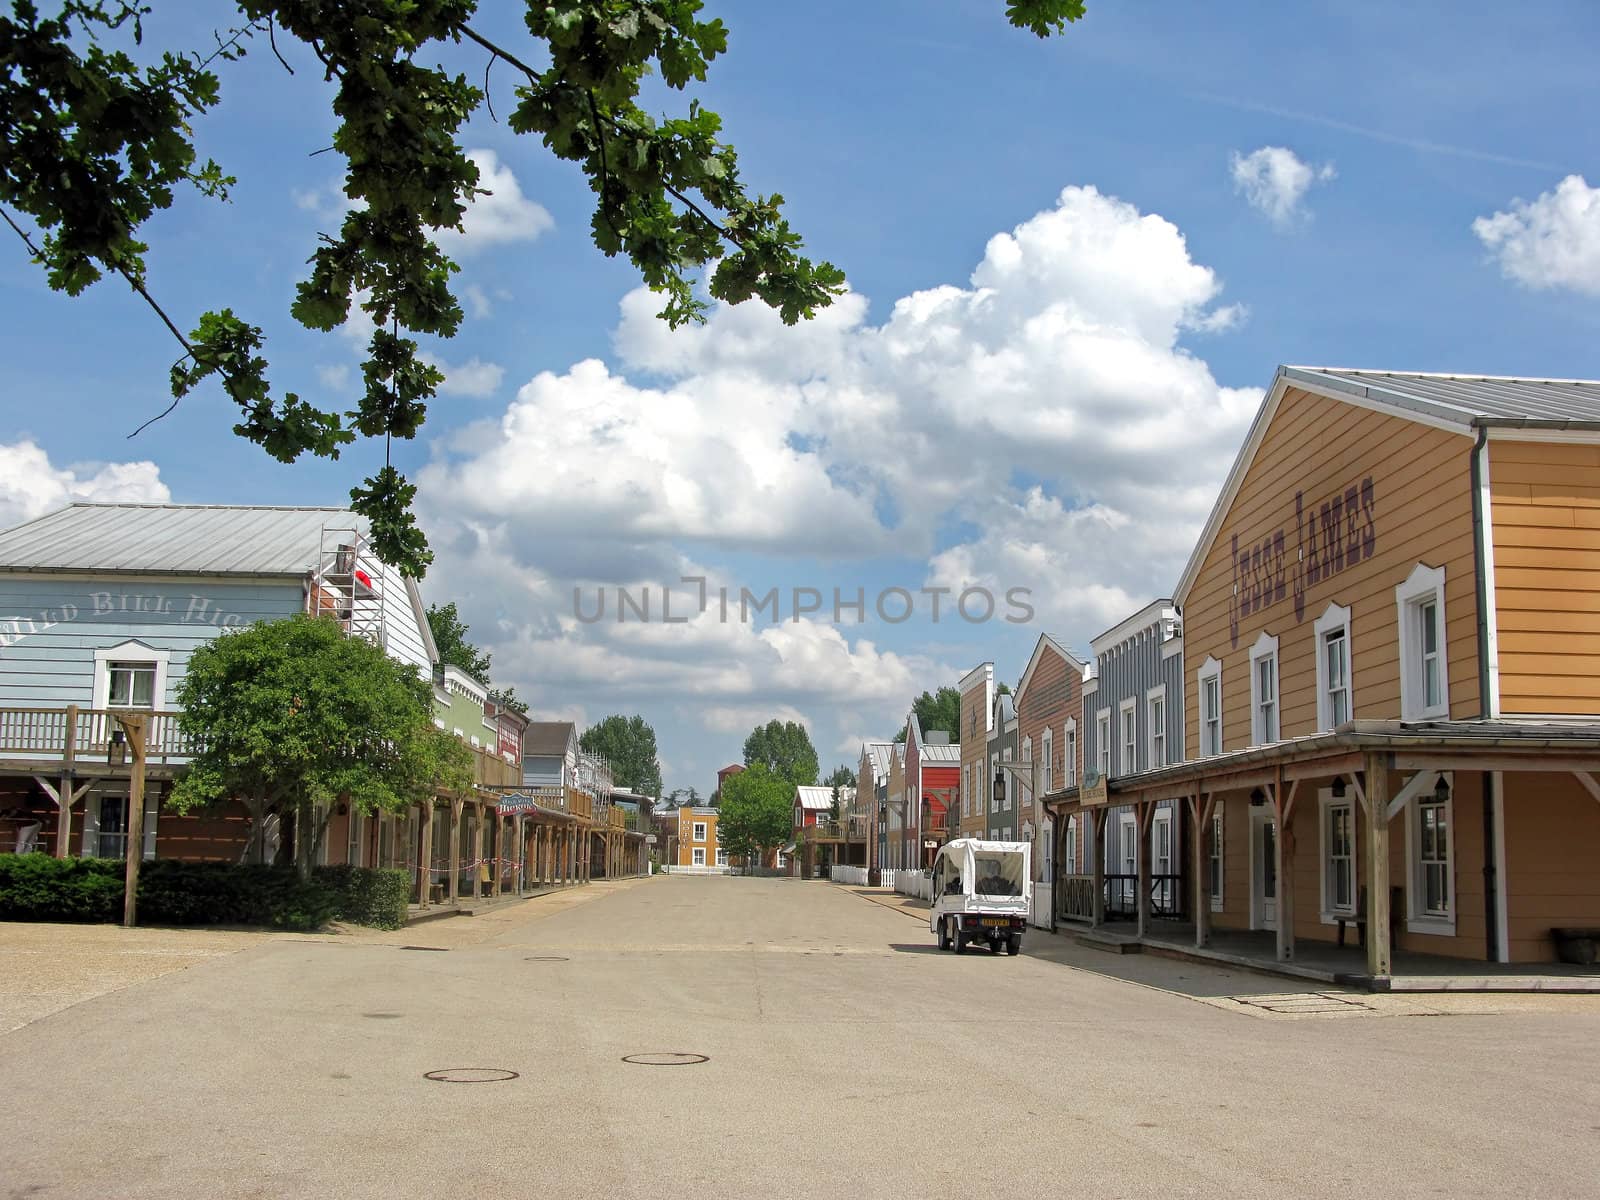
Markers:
1397,908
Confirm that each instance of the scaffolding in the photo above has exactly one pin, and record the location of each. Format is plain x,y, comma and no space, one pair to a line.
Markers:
348,584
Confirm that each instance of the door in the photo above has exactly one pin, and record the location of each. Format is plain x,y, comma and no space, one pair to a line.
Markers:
1263,869
1128,861
113,827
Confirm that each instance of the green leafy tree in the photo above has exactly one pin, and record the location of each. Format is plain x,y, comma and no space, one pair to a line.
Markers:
840,777
784,748
101,135
937,710
757,814
292,716
450,638
508,698
629,745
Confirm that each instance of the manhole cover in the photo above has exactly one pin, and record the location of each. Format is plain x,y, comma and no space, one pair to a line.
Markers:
546,958
471,1075
665,1059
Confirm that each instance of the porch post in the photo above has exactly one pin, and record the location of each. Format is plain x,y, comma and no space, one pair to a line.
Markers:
1283,848
1199,862
522,849
495,884
456,805
1143,814
1379,958
1097,852
425,866
479,848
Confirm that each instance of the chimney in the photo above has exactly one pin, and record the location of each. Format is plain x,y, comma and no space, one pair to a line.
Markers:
937,737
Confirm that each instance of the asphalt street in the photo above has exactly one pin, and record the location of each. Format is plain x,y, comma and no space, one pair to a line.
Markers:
845,1057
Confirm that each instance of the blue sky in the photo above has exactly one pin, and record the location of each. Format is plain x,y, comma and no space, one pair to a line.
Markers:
1061,424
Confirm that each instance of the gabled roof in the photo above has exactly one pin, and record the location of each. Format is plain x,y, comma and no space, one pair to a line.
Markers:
173,539
947,753
548,739
1466,400
1458,403
1047,642
815,798
879,752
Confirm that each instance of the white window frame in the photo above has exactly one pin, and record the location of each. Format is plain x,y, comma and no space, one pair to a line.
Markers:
131,651
966,790
1005,792
1128,737
1266,646
722,857
1047,773
1418,921
1210,672
699,832
1155,736
697,857
1332,911
1069,752
1102,728
1334,619
994,796
1162,819
1425,583
1219,856
1069,842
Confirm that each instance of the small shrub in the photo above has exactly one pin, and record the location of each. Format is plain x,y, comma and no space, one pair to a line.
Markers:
41,887
366,896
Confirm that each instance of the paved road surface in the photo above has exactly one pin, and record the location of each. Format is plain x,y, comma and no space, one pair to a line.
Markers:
847,1059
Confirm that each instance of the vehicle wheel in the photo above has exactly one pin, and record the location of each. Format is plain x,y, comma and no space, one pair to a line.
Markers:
1014,945
961,941
995,944
944,934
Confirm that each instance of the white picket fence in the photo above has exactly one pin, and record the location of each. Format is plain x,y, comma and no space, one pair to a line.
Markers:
677,870
912,882
907,880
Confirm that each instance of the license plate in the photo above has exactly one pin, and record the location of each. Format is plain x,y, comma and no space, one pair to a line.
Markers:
994,922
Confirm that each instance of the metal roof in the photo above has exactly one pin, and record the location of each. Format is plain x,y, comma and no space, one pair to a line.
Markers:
880,752
815,797
941,753
546,739
1467,399
173,539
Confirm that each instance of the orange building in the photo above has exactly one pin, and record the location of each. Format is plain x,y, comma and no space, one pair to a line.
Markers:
697,838
1391,633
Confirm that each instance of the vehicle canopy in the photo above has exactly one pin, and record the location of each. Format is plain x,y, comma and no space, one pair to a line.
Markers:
986,873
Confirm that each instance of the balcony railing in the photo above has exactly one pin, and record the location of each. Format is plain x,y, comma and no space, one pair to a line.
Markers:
66,735
491,770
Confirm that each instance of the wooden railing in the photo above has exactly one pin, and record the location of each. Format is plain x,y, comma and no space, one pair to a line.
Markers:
579,804
1075,900
70,734
490,769
1166,896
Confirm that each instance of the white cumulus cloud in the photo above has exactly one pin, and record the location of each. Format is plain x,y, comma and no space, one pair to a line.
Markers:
1039,425
1550,242
1275,180
504,215
30,486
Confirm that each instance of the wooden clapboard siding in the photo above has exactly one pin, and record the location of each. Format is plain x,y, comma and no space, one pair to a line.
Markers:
1422,513
1552,838
975,716
1546,520
50,627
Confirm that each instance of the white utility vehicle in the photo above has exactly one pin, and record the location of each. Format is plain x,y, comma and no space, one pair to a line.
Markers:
981,894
